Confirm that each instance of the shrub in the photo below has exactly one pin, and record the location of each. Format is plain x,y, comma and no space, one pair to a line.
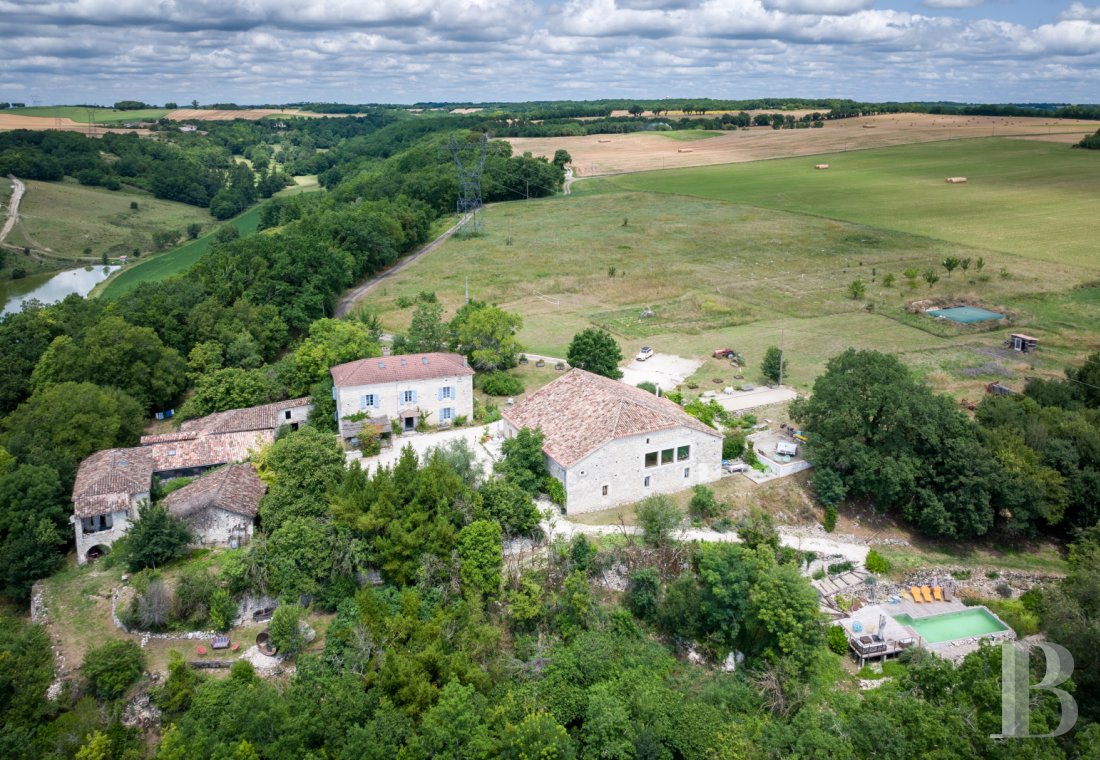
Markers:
155,539
193,591
555,490
876,563
992,575
837,639
1004,590
223,610
733,445
501,384
404,302
152,608
961,575
648,386
643,593
703,504
840,567
286,629
658,517
111,668
818,574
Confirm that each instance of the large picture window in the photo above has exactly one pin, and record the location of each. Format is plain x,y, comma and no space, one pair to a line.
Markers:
683,453
651,459
666,456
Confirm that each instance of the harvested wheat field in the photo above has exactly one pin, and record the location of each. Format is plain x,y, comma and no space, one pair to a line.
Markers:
10,121
643,151
250,114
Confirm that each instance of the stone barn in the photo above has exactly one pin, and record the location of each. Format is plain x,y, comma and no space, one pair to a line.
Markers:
220,506
609,443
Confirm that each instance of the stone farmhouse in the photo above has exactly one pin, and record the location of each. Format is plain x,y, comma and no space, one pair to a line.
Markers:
220,506
401,388
111,484
609,443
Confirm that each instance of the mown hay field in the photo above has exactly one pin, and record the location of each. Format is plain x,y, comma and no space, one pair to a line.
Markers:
1031,198
603,154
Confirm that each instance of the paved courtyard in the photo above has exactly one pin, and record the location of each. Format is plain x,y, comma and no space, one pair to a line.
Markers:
664,370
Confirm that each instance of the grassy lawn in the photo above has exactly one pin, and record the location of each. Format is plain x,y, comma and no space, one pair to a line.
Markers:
183,258
716,274
1038,558
1023,197
687,135
68,217
80,114
79,603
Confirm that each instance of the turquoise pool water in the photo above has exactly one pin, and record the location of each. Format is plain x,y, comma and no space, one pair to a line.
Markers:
966,314
975,621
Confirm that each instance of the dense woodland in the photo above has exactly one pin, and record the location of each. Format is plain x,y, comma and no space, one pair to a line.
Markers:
464,650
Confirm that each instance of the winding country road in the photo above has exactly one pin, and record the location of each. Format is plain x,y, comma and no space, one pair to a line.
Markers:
17,189
356,294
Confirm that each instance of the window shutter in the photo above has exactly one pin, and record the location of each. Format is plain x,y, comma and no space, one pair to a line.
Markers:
441,393
362,402
377,400
454,392
414,397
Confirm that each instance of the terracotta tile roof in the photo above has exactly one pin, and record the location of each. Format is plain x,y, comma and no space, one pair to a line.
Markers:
265,417
400,368
207,450
236,488
108,480
580,411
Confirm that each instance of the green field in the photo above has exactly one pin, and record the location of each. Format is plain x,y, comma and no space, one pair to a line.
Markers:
723,274
1022,196
81,116
183,258
67,217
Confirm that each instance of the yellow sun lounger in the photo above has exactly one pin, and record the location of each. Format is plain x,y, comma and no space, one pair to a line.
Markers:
916,594
926,593
938,593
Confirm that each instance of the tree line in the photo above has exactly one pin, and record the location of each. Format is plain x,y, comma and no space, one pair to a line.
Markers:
1025,465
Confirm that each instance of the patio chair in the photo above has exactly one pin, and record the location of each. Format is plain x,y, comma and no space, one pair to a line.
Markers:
915,593
938,593
926,593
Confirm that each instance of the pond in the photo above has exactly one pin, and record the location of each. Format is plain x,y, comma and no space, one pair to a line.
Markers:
50,288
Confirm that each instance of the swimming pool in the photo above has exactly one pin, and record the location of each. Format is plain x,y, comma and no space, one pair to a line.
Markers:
975,621
966,314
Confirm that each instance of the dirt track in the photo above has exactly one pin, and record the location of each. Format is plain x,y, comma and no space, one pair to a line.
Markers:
595,155
17,189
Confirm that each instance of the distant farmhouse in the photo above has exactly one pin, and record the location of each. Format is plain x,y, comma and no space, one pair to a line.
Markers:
610,443
377,392
111,484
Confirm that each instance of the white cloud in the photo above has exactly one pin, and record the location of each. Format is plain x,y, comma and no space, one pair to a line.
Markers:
1080,11
267,51
952,3
828,7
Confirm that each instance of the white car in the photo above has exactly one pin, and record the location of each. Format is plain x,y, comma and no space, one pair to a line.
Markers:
644,354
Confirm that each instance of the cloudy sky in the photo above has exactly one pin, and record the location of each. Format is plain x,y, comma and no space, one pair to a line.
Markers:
403,51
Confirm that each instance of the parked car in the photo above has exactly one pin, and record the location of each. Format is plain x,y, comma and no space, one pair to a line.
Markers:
644,354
